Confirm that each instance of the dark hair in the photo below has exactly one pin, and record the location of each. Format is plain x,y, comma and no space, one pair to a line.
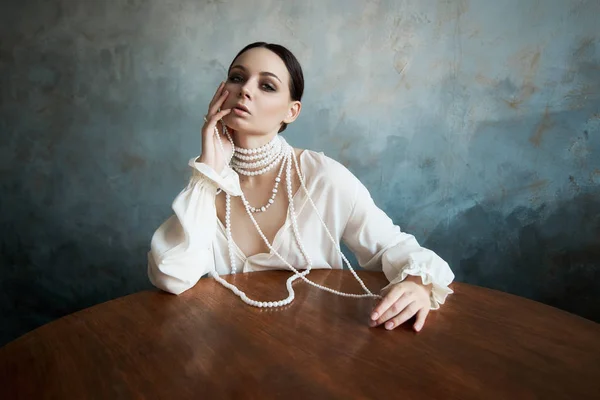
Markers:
291,63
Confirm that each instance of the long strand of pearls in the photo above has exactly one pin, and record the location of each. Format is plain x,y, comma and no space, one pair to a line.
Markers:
336,244
273,195
287,154
227,200
299,242
228,233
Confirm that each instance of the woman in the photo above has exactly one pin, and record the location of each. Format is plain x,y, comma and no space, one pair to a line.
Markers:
233,215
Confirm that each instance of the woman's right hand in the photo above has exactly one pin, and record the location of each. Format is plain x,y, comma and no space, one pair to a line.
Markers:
212,155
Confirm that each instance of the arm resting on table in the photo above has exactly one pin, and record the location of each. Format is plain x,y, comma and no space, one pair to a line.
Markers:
181,248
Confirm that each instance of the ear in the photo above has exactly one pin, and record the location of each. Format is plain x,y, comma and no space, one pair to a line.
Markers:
293,112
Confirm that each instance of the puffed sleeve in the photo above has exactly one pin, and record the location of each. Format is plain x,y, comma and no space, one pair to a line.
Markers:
181,248
380,244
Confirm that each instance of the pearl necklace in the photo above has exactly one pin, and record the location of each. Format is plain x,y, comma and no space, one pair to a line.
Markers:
272,199
265,157
288,155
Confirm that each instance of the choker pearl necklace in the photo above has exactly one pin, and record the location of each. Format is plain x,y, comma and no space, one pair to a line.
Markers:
263,158
287,156
258,150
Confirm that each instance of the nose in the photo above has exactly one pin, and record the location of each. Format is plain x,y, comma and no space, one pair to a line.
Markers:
245,92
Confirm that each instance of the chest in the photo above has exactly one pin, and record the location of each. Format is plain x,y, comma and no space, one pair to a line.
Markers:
243,230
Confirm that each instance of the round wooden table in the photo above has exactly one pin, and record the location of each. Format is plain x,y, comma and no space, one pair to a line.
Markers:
207,344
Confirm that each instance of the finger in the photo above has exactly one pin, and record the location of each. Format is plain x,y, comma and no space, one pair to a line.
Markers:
212,122
404,316
421,317
390,298
222,99
396,308
217,104
217,94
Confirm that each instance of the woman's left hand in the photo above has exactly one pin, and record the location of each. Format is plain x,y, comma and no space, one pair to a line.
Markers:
402,301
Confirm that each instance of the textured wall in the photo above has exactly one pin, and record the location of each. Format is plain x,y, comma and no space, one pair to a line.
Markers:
476,126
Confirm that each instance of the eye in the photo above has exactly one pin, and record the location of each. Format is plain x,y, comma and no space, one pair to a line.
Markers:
268,87
235,79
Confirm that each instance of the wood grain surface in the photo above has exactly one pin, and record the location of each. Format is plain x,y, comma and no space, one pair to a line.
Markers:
207,344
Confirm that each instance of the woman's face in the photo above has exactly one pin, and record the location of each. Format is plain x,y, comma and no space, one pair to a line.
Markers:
259,81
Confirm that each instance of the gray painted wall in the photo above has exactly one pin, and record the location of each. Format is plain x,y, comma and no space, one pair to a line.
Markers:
476,126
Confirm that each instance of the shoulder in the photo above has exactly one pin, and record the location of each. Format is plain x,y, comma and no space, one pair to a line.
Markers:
317,165
320,164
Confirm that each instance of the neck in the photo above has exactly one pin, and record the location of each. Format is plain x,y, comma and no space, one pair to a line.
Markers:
250,141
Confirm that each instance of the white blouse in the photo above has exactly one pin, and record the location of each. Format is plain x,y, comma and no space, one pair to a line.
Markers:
193,242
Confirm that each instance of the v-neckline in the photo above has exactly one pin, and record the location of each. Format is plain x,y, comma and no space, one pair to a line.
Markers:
282,228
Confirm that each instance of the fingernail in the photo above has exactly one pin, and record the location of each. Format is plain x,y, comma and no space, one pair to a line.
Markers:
374,316
389,325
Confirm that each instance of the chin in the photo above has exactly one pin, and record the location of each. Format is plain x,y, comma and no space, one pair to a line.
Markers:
236,124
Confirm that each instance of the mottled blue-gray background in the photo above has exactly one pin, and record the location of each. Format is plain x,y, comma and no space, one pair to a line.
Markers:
475,124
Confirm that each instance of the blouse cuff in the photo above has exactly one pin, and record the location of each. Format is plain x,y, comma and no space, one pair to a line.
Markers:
228,180
439,277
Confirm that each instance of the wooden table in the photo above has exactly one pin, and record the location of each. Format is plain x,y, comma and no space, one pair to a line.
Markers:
207,344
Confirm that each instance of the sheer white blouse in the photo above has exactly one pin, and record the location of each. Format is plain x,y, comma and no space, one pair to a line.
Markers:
193,242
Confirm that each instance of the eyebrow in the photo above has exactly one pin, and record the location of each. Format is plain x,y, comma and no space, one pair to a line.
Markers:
262,73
